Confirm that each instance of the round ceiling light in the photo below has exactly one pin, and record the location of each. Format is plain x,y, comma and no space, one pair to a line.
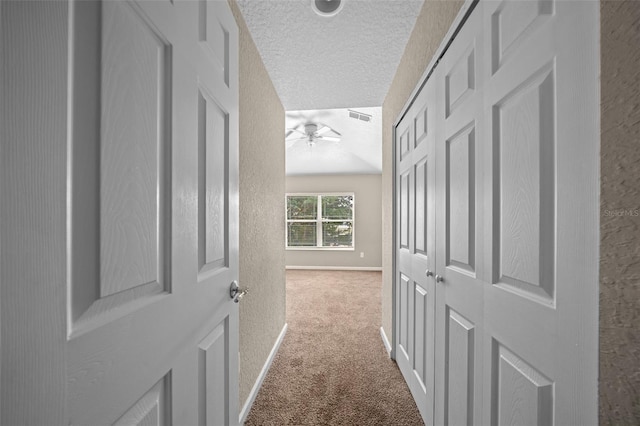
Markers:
326,7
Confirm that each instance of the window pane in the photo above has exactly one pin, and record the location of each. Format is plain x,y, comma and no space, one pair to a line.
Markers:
337,207
302,207
337,234
301,234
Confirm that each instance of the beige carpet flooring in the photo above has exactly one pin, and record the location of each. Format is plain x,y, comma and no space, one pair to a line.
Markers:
332,368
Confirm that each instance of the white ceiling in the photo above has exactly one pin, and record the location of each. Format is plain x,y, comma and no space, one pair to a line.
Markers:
343,61
359,150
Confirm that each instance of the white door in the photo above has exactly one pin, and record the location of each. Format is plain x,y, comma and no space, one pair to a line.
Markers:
541,162
415,292
459,236
516,228
140,206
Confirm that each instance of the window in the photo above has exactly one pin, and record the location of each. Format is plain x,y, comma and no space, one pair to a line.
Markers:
320,221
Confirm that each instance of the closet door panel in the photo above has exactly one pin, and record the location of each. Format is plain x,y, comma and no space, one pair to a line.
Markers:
415,179
540,302
459,239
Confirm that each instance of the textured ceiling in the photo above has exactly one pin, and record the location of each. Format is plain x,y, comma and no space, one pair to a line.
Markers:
318,62
358,151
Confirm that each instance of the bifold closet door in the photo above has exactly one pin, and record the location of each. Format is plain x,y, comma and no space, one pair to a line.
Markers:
417,135
541,175
515,238
459,231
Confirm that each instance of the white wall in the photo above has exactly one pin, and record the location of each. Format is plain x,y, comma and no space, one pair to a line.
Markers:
367,221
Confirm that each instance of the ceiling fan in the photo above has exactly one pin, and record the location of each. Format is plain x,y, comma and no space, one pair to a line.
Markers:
311,133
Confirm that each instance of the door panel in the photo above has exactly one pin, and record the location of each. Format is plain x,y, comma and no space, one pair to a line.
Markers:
214,37
404,315
120,211
460,192
421,324
460,80
404,143
150,410
404,210
213,353
212,187
522,394
511,24
422,215
421,125
133,147
524,148
459,375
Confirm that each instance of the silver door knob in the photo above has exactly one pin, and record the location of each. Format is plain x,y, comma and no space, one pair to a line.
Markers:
237,293
439,279
428,273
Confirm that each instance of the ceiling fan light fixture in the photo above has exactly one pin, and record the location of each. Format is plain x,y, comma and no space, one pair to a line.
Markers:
312,133
326,8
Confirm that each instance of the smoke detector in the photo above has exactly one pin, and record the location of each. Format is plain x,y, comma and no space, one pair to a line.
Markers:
326,8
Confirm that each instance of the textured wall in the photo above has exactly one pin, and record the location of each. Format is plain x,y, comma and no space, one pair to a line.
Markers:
431,26
368,220
620,203
262,312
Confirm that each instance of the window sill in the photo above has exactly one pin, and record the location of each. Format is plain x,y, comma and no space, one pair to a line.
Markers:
321,248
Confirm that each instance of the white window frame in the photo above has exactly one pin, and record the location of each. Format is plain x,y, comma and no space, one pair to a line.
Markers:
319,221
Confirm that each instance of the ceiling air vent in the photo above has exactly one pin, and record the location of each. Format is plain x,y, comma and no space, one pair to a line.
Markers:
359,116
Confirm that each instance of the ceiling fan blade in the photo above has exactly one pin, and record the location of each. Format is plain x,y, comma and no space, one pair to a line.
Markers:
294,132
329,138
324,130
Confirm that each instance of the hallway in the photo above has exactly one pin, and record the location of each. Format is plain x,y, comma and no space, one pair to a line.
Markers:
145,152
332,367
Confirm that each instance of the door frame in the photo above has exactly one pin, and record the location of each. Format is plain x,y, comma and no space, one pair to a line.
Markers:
456,25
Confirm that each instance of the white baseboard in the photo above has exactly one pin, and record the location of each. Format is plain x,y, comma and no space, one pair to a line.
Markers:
265,368
387,345
338,268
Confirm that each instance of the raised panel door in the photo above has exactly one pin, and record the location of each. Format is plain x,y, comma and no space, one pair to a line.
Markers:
144,212
165,225
541,79
516,208
459,235
416,249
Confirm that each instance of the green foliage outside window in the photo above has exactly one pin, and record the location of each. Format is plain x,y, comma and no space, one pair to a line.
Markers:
320,221
302,207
